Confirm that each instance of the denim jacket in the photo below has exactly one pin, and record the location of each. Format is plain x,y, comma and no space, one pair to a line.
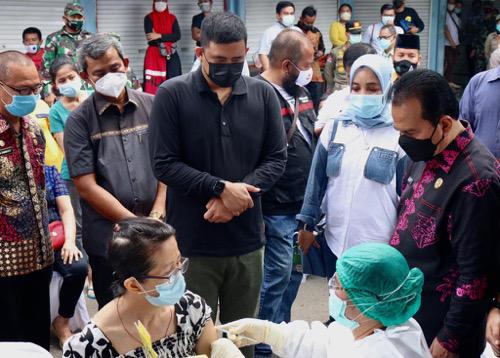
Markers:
355,180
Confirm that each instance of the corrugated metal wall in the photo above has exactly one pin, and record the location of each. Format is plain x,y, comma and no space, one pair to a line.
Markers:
126,17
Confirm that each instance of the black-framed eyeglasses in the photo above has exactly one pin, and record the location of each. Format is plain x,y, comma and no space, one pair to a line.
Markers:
25,91
182,267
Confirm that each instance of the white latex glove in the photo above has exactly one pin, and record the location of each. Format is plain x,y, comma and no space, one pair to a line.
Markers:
224,348
257,330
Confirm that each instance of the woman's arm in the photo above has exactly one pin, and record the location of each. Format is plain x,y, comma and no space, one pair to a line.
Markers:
208,336
59,137
154,38
174,36
69,251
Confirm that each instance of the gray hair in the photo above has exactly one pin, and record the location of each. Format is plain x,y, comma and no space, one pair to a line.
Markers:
390,28
96,46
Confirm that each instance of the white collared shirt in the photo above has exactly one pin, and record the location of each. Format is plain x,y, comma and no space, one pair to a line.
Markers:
270,34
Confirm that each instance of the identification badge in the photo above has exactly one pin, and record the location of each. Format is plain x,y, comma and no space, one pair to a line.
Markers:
5,151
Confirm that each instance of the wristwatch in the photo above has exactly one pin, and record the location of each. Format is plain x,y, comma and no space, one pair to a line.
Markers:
218,188
305,226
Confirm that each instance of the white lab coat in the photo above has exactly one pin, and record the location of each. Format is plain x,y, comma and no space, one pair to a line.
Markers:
304,341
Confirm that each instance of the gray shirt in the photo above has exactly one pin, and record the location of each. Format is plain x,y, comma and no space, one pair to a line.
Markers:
114,146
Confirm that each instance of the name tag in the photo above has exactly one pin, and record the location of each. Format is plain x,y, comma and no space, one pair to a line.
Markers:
5,151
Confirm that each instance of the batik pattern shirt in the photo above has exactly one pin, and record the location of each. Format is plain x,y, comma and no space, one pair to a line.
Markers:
24,238
448,224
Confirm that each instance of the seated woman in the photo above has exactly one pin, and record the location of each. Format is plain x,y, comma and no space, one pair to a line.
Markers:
373,296
149,288
68,260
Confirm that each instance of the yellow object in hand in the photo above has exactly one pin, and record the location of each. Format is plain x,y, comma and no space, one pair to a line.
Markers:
145,338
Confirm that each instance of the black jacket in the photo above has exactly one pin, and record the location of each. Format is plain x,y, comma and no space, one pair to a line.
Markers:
286,196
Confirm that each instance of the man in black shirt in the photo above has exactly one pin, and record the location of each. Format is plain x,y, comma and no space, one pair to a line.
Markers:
218,141
407,18
206,8
290,69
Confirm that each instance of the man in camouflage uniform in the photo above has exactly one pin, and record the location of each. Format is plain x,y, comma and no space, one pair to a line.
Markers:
63,42
334,72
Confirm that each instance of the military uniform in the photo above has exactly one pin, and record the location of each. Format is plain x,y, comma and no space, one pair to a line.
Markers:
334,72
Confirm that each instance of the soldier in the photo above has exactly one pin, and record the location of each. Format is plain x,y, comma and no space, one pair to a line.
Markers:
63,42
335,73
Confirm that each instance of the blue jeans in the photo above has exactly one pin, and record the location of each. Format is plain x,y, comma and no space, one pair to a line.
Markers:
278,254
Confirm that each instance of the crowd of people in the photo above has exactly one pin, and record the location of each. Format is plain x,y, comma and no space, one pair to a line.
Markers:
183,201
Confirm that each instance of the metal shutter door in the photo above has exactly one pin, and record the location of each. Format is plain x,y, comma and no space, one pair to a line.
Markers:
126,18
368,12
16,15
260,14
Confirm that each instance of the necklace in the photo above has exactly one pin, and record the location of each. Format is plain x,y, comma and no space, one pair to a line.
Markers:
125,328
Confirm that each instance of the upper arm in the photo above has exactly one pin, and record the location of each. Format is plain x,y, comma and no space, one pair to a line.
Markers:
208,336
148,24
84,183
467,104
264,45
56,124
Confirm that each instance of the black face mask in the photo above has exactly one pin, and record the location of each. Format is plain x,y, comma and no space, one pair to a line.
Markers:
401,67
224,74
419,149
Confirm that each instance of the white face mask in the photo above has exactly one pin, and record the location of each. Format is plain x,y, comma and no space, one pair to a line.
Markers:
451,7
388,20
32,48
304,77
112,84
288,20
346,15
160,6
205,7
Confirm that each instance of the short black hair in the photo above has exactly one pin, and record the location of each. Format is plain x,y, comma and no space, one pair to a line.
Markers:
33,30
282,4
355,51
344,4
309,11
431,90
222,28
289,44
60,62
130,251
386,7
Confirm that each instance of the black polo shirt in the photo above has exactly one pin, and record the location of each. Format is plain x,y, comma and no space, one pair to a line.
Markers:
99,139
195,141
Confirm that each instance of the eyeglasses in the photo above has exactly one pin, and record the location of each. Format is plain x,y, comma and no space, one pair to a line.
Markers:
25,91
384,37
182,267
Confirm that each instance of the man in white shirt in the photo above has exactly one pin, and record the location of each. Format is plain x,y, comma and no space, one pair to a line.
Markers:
387,16
338,100
285,18
451,42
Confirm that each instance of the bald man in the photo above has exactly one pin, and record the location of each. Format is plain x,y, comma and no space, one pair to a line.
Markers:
26,254
290,60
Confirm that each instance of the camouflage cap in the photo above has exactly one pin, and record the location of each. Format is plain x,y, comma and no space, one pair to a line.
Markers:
73,9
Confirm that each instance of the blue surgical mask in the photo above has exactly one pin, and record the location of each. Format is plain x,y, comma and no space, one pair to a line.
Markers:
169,293
366,108
22,105
498,28
355,38
384,43
71,89
336,308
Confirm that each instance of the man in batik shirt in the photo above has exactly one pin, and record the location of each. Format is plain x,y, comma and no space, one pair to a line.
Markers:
448,220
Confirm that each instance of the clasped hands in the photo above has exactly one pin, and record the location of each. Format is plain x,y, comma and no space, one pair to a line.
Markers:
234,200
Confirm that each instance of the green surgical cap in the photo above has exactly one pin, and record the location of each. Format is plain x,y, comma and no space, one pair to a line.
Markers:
379,282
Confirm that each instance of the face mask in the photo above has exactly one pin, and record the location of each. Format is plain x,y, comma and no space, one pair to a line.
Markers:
336,308
388,20
458,10
71,89
112,84
401,67
160,6
205,7
355,38
32,48
75,25
419,149
366,108
384,43
304,77
169,293
225,74
498,28
288,20
346,16
22,105
451,7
